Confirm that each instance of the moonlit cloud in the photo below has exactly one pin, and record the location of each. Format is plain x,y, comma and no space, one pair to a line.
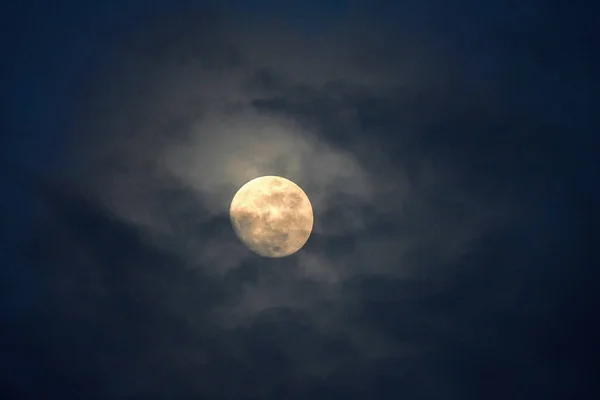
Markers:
188,129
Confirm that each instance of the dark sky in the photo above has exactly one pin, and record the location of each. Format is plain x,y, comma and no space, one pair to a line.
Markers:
449,151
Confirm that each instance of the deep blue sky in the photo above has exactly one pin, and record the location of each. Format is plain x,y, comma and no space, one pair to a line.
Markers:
480,115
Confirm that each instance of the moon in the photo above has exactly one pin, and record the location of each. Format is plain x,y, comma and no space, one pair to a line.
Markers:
272,216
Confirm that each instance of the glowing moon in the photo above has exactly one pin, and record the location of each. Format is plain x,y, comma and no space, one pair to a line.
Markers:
272,216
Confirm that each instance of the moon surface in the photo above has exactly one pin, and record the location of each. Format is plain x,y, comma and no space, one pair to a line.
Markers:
272,216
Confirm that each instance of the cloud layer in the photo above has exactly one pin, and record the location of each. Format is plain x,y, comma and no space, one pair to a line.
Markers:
203,117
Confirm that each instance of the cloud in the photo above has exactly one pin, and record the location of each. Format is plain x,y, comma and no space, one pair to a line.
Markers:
178,125
193,121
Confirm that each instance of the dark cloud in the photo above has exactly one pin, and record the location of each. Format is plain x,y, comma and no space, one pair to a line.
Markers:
447,151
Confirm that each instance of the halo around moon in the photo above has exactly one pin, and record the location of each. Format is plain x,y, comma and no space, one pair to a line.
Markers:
272,216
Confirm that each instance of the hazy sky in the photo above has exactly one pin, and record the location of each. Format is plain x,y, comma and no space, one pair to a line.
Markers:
448,150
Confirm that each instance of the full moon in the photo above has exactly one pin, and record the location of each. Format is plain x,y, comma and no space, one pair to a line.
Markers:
272,216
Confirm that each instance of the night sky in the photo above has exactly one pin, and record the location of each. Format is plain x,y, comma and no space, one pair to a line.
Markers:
449,149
